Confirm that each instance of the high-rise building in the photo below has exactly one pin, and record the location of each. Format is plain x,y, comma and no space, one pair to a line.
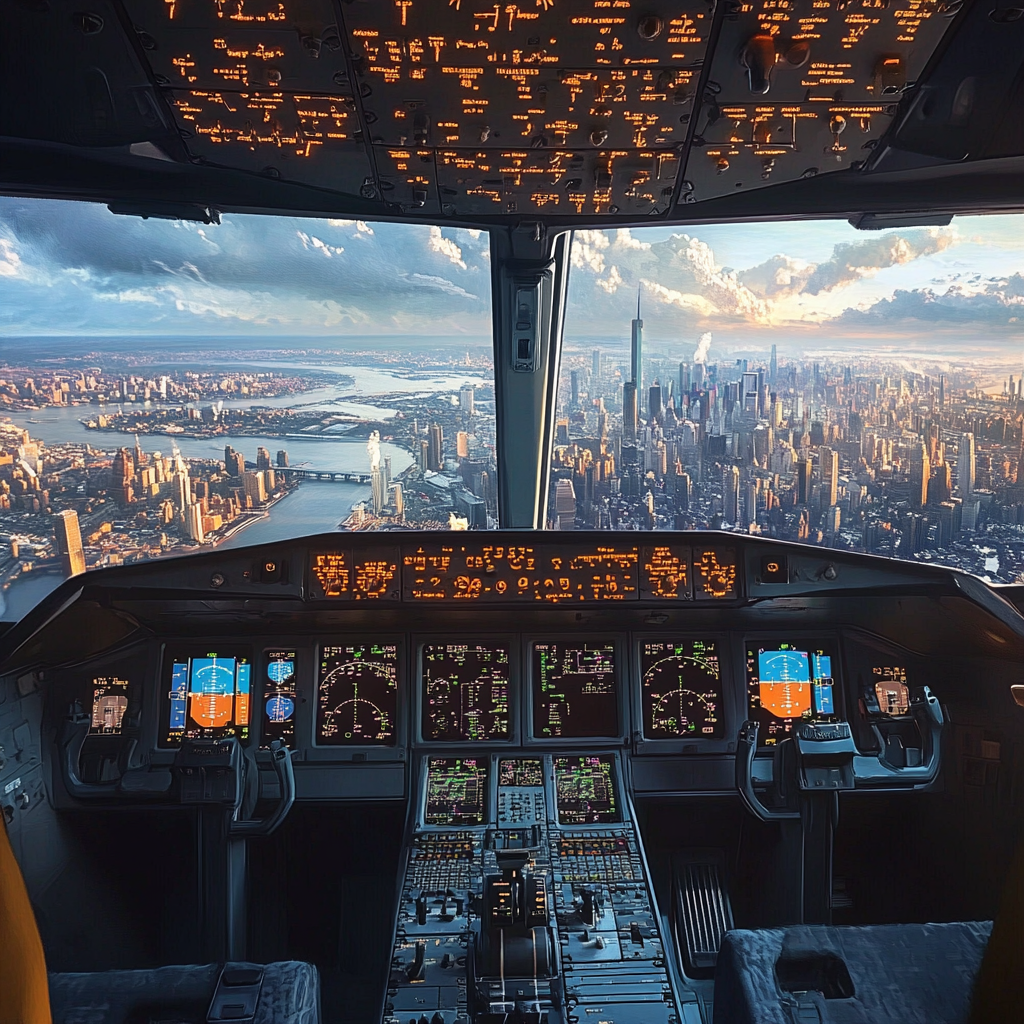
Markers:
654,402
68,535
731,494
773,365
121,476
966,466
629,411
282,459
565,505
378,487
803,477
194,523
574,390
262,459
920,475
435,456
636,351
466,397
595,364
255,487
462,444
828,460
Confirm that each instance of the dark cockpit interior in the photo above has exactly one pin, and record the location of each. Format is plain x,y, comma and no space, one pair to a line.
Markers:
517,776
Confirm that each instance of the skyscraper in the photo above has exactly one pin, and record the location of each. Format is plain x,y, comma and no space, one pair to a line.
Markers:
282,459
966,466
773,365
731,494
654,402
378,486
629,411
920,475
828,459
466,396
636,351
595,364
69,542
803,474
435,458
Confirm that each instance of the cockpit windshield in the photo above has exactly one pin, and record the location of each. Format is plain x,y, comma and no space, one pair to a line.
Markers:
167,387
800,380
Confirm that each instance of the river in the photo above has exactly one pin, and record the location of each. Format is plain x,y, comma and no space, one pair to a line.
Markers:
313,507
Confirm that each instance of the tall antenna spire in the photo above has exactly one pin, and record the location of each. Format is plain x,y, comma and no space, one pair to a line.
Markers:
639,287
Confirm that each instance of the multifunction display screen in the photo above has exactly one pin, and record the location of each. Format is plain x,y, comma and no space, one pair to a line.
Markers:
109,702
456,791
681,689
521,771
357,695
789,682
279,698
569,572
888,693
208,696
585,790
575,693
465,692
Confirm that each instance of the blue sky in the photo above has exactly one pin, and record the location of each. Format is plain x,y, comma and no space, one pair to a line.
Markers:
74,268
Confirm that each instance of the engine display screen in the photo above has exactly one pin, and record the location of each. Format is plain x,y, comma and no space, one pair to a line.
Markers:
357,695
575,693
456,791
681,689
888,693
109,701
279,698
208,697
790,682
521,771
465,692
585,790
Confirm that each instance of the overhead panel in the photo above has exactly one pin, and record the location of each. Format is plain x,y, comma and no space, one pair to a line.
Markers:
533,107
797,88
258,85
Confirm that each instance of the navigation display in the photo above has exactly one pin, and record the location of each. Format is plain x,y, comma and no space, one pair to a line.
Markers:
585,790
279,699
357,695
109,701
465,691
788,682
575,693
207,697
456,791
681,689
521,771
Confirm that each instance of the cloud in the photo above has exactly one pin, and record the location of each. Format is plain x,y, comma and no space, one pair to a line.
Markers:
10,261
441,283
312,242
610,283
850,262
445,246
587,251
987,303
624,240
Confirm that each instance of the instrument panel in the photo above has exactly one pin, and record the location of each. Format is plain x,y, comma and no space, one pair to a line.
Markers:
664,690
563,573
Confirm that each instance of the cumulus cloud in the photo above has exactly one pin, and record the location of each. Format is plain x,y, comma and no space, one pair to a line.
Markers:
588,250
445,246
610,283
312,242
624,240
850,262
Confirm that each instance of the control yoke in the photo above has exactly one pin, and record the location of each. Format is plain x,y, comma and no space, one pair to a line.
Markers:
927,713
281,759
746,748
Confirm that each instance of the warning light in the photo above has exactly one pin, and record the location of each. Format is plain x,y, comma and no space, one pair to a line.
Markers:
774,570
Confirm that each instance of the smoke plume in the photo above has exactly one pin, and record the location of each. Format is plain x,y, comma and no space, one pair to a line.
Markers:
373,450
703,347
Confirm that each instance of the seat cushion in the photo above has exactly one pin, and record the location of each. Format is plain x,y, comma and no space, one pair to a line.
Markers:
903,973
290,995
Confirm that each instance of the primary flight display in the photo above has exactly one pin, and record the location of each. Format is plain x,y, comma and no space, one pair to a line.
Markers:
208,696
